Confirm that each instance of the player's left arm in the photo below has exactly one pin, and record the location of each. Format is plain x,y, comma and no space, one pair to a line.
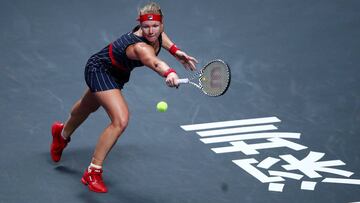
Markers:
146,55
188,62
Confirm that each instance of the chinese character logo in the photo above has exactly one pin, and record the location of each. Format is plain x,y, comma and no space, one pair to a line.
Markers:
310,170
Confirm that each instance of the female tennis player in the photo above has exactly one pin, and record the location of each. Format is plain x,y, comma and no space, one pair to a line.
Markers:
106,72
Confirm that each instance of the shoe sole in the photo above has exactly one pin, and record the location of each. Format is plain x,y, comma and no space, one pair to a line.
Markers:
83,181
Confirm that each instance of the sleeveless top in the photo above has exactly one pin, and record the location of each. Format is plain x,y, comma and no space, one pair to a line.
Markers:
114,56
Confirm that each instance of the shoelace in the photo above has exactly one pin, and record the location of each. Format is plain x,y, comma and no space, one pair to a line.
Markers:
96,176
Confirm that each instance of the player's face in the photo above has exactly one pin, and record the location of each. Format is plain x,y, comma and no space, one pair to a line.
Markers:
151,30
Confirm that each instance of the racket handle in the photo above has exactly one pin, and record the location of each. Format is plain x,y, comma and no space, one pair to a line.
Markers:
183,80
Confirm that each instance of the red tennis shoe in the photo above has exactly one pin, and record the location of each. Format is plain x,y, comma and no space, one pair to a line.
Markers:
58,143
93,179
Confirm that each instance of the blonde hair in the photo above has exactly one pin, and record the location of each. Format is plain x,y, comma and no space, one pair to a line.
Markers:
150,8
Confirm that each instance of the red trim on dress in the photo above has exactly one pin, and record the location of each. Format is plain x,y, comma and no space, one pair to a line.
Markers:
113,61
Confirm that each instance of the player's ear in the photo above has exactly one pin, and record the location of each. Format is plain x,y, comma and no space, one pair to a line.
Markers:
162,27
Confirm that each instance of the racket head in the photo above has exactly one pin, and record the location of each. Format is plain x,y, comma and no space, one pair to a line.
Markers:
215,78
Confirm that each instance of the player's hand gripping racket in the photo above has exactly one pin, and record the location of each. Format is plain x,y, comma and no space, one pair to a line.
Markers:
213,79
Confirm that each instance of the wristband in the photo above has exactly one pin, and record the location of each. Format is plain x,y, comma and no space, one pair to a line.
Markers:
168,72
173,49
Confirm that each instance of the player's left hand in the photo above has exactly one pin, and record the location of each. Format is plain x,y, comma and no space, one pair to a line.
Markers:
188,62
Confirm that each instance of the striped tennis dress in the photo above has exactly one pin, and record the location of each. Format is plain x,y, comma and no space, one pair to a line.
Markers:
110,68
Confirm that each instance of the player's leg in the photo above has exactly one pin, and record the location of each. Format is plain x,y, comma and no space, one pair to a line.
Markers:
61,133
117,110
80,111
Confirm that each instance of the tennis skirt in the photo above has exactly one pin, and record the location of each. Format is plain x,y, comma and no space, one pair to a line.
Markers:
100,76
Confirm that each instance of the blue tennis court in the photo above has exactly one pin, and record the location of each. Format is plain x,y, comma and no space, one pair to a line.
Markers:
287,129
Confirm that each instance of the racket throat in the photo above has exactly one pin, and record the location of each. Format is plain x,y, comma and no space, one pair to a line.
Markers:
196,85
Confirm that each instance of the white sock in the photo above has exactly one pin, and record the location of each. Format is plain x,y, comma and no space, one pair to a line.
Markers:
95,166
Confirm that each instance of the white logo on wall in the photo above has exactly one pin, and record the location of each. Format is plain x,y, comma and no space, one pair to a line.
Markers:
239,132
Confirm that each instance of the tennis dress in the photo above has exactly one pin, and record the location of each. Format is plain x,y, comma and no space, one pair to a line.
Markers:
110,68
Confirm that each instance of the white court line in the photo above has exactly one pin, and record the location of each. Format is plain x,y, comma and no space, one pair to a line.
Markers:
286,174
342,181
246,165
276,187
241,146
250,136
308,185
254,121
236,130
268,162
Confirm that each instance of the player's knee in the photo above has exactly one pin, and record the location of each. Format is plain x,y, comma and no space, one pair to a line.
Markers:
120,124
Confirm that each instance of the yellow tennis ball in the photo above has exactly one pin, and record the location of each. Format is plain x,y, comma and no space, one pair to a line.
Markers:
161,106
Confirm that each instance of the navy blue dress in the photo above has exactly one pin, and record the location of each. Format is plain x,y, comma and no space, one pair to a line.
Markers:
110,68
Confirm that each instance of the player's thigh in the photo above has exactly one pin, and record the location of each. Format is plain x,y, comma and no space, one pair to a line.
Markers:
114,104
88,102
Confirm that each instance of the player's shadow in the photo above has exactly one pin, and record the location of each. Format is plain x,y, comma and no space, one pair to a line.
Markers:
76,174
75,160
76,157
121,194
67,170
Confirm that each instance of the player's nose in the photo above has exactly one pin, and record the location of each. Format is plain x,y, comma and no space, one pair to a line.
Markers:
150,30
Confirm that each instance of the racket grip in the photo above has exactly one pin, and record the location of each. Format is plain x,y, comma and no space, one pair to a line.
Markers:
183,80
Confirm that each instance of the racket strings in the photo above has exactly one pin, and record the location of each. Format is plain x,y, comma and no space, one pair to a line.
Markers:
215,78
196,75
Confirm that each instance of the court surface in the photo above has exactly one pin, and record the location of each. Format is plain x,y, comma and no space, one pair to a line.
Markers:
295,70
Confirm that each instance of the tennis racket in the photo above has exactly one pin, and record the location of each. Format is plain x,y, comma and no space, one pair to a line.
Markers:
213,79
